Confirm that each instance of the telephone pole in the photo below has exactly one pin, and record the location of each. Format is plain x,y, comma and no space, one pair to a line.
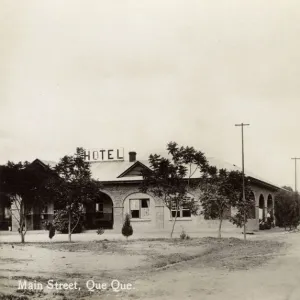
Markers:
243,175
295,158
296,195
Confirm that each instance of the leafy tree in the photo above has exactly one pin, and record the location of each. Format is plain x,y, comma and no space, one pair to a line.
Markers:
287,209
24,187
51,230
127,228
244,208
73,187
61,220
172,179
288,188
219,193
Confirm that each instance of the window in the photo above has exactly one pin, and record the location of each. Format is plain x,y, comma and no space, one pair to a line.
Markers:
7,213
99,209
186,212
44,217
183,210
139,208
173,211
45,209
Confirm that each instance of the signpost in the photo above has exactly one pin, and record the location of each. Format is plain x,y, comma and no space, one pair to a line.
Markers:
104,155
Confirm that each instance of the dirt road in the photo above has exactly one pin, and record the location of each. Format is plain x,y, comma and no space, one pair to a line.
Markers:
278,279
216,269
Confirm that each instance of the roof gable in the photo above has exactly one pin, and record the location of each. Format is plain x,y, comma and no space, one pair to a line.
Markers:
134,170
38,163
40,166
44,163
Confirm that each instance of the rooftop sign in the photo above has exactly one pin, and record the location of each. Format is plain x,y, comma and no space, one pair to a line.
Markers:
102,155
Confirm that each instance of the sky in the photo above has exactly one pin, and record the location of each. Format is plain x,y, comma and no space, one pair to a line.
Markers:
139,74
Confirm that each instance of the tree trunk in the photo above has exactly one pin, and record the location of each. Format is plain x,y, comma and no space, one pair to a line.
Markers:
69,229
220,226
22,237
22,217
245,221
174,223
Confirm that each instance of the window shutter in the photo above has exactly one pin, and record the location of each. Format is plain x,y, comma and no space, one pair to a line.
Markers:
134,204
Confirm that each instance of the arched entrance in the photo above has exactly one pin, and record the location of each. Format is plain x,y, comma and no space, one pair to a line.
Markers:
5,213
100,214
270,210
262,208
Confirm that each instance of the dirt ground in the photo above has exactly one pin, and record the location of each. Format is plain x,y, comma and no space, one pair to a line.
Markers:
205,268
275,277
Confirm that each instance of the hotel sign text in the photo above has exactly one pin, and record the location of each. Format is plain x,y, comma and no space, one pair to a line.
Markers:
111,154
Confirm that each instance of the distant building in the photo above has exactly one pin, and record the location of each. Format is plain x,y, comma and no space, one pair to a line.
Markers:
120,195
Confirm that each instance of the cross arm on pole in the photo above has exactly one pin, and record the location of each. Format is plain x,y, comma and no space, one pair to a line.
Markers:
242,124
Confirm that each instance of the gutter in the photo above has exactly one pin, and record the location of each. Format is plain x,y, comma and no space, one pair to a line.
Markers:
265,183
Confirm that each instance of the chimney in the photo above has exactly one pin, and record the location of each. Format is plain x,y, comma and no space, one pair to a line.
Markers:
132,156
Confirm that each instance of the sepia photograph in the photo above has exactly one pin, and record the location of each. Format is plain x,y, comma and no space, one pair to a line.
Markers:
149,150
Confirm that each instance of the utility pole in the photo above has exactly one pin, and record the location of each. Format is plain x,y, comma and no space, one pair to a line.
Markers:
295,158
243,175
296,195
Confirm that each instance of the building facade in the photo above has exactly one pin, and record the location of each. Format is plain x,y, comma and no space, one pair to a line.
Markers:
121,195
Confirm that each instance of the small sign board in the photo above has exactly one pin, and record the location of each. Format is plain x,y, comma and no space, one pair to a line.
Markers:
104,155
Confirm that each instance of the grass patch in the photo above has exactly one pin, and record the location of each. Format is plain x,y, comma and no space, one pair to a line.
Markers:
38,279
14,260
12,297
235,254
93,246
229,253
165,261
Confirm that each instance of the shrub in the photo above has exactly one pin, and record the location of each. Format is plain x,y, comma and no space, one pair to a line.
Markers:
61,221
100,231
183,235
268,225
287,209
51,230
127,228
